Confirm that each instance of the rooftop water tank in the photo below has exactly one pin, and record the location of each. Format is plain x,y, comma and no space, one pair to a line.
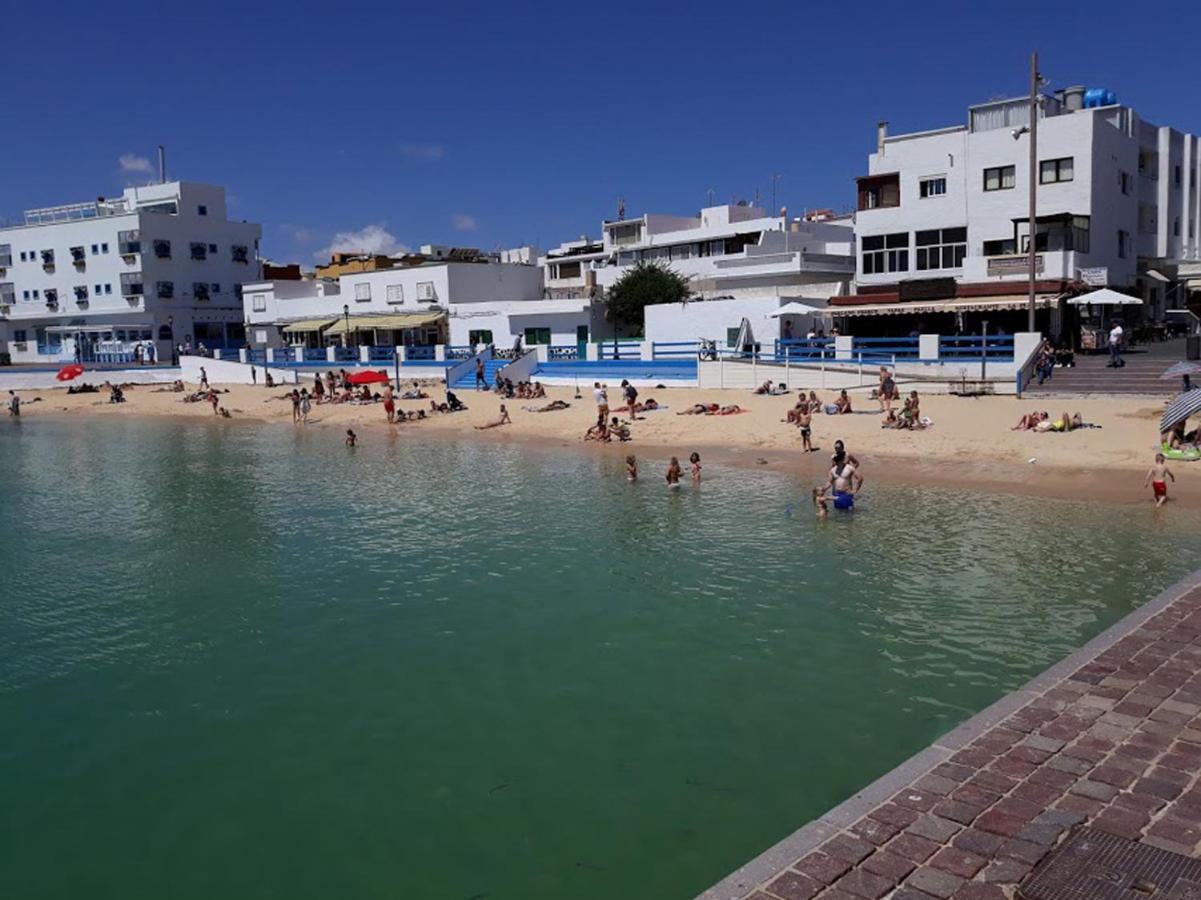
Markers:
1094,97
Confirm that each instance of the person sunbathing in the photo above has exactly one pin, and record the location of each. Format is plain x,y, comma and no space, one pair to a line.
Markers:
764,388
553,406
699,409
732,410
436,407
1027,422
501,419
651,403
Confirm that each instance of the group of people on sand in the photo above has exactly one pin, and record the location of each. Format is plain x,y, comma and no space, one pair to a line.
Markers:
522,390
395,416
711,409
1178,437
605,432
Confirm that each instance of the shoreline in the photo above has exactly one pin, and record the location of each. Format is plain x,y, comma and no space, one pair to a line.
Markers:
970,447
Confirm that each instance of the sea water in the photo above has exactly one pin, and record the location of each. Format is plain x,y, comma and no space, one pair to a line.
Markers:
246,661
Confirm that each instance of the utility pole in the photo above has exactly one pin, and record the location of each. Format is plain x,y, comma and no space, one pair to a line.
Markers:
1034,79
775,180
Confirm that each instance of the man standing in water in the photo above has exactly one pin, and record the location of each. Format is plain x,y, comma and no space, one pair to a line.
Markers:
14,405
845,479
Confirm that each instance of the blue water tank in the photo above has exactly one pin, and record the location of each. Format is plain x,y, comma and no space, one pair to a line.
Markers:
1094,97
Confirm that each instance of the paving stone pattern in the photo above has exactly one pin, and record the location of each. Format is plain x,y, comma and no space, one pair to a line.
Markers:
1116,745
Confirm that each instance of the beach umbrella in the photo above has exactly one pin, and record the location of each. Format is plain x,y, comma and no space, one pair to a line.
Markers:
1180,370
368,378
67,373
1186,404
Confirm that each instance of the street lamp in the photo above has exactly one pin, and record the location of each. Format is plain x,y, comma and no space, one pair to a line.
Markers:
174,351
346,333
1036,81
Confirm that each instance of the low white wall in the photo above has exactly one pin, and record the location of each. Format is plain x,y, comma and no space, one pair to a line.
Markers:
221,371
932,379
521,369
18,380
712,319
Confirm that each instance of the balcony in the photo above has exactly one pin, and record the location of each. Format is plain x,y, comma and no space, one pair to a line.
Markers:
129,243
80,258
81,292
131,285
51,297
48,260
879,191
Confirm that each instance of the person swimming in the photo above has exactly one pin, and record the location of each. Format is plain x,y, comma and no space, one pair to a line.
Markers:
673,473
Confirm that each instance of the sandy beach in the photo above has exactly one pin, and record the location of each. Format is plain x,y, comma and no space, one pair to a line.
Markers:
970,443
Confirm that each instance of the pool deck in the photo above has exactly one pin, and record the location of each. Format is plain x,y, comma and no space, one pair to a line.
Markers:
1110,737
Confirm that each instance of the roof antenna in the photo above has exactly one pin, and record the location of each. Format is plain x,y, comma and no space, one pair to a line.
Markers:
162,164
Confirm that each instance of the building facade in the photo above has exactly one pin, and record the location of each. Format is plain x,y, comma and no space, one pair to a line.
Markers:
160,265
942,216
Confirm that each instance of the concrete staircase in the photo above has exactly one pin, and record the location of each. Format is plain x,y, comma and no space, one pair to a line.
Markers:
1140,375
491,367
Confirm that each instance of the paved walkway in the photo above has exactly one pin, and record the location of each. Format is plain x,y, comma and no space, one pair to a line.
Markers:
1110,737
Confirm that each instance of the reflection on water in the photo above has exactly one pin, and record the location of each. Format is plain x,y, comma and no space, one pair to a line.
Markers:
446,670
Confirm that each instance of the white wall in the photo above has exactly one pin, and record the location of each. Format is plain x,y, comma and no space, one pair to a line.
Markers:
711,319
222,371
507,320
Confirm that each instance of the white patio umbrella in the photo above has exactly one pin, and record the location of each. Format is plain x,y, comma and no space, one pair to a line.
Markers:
1105,297
796,308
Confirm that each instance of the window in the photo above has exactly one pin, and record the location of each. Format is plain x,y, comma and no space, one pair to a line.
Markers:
1123,244
879,191
215,288
35,294
98,289
108,289
1178,174
932,187
22,256
162,249
104,248
999,178
886,253
165,289
426,292
941,248
47,259
681,251
213,249
395,293
51,296
732,336
240,253
1003,247
7,293
1051,171
1124,182
24,295
258,302
202,210
200,290
19,335
537,336
483,336
1176,226
129,243
81,292
199,250
362,291
95,249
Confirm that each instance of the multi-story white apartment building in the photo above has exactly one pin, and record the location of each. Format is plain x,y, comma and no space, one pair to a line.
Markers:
724,251
943,215
161,263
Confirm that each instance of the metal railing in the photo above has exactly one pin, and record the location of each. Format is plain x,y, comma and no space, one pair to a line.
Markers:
419,352
802,349
381,354
619,350
974,347
674,349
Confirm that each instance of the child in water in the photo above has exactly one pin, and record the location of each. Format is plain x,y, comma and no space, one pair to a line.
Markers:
695,459
1157,477
820,502
351,437
631,469
673,473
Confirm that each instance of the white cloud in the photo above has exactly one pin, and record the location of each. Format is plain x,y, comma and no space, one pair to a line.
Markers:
464,222
368,239
131,162
415,150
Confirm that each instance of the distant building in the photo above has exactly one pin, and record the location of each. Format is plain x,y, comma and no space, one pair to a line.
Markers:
160,264
281,271
348,263
942,219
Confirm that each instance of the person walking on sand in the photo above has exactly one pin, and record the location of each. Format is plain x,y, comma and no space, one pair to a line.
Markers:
602,401
306,406
14,405
204,379
481,382
1116,336
804,420
1157,477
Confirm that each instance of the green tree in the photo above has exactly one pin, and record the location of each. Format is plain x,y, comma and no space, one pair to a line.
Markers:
642,285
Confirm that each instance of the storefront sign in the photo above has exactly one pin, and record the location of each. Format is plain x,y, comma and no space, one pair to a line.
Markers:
1095,276
1014,265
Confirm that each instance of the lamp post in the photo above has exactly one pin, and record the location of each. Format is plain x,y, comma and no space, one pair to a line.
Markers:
346,333
171,329
1034,83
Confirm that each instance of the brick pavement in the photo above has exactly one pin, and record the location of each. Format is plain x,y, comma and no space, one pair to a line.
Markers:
1111,739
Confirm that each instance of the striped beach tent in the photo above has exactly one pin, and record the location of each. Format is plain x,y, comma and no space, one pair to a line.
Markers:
1186,404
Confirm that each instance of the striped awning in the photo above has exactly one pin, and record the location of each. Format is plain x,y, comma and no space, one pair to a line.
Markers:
398,321
960,304
304,325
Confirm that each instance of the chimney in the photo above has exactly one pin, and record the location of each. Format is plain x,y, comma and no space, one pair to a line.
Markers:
162,164
881,134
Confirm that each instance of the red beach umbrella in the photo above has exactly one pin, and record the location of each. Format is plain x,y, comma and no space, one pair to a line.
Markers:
368,378
67,373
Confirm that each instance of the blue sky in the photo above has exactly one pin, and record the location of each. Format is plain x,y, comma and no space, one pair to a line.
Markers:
498,124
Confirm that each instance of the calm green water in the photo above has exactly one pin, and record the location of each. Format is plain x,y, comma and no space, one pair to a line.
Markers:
240,662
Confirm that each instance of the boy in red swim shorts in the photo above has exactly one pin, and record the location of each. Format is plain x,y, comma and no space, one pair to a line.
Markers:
1157,477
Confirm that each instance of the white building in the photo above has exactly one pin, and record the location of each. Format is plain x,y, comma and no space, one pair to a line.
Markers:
441,297
732,251
161,263
943,215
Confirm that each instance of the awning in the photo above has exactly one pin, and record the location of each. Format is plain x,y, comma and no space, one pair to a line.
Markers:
1105,297
1158,276
981,304
303,325
796,308
399,321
